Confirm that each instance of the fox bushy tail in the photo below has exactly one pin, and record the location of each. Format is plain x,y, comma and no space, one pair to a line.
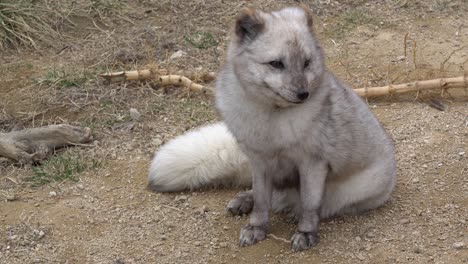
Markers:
208,156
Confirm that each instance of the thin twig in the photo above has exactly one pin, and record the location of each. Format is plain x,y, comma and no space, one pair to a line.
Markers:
279,238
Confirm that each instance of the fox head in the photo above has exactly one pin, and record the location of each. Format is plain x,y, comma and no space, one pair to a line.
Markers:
275,56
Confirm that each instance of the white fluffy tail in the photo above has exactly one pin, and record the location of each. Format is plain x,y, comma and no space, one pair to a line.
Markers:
208,156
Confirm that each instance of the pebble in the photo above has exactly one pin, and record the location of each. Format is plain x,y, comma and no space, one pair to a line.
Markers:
39,233
415,180
197,243
181,198
163,237
157,142
404,221
223,244
401,58
11,198
80,186
134,114
459,245
52,194
360,256
178,54
204,209
225,227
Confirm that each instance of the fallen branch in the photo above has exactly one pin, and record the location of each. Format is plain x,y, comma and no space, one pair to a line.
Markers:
32,145
182,80
443,84
162,77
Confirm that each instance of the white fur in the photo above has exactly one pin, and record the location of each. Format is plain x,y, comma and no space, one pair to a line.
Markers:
202,157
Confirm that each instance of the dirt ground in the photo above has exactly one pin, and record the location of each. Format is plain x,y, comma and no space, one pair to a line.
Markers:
108,216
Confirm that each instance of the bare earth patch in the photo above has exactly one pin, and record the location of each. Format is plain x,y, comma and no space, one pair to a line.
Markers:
105,214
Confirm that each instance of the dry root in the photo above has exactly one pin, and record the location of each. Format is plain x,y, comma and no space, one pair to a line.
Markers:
162,78
442,84
32,145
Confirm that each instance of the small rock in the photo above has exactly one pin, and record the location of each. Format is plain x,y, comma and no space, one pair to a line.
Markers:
13,237
461,153
358,239
80,186
401,58
417,250
197,243
11,198
39,233
360,256
204,209
178,54
415,180
134,114
404,221
181,198
370,235
163,237
223,244
52,194
459,245
225,227
157,142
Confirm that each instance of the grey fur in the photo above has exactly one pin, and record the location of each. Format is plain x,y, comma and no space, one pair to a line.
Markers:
329,148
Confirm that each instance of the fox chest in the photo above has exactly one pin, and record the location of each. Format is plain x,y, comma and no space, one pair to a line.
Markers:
273,135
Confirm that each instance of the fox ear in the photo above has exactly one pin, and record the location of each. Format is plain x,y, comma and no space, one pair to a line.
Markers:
308,14
249,25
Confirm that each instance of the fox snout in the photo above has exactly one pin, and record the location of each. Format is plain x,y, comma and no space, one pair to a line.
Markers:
302,95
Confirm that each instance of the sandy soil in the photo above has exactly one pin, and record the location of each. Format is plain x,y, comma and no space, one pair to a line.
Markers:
108,215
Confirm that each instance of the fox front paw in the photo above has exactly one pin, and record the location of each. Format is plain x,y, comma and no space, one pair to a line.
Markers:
250,235
241,204
304,240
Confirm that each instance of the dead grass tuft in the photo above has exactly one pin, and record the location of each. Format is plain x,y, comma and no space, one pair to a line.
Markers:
349,21
27,22
62,167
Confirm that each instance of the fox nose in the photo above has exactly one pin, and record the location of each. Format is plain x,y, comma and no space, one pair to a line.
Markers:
302,95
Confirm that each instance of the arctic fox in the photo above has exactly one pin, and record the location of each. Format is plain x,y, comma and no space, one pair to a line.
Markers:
308,144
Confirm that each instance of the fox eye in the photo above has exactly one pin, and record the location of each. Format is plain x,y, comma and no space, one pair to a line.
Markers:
306,63
277,64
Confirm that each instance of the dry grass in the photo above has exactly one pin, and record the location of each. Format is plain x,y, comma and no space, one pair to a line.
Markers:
62,167
30,23
26,22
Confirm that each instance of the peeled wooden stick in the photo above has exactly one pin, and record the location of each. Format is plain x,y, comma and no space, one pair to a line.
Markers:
32,145
162,77
128,76
416,86
442,84
182,80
